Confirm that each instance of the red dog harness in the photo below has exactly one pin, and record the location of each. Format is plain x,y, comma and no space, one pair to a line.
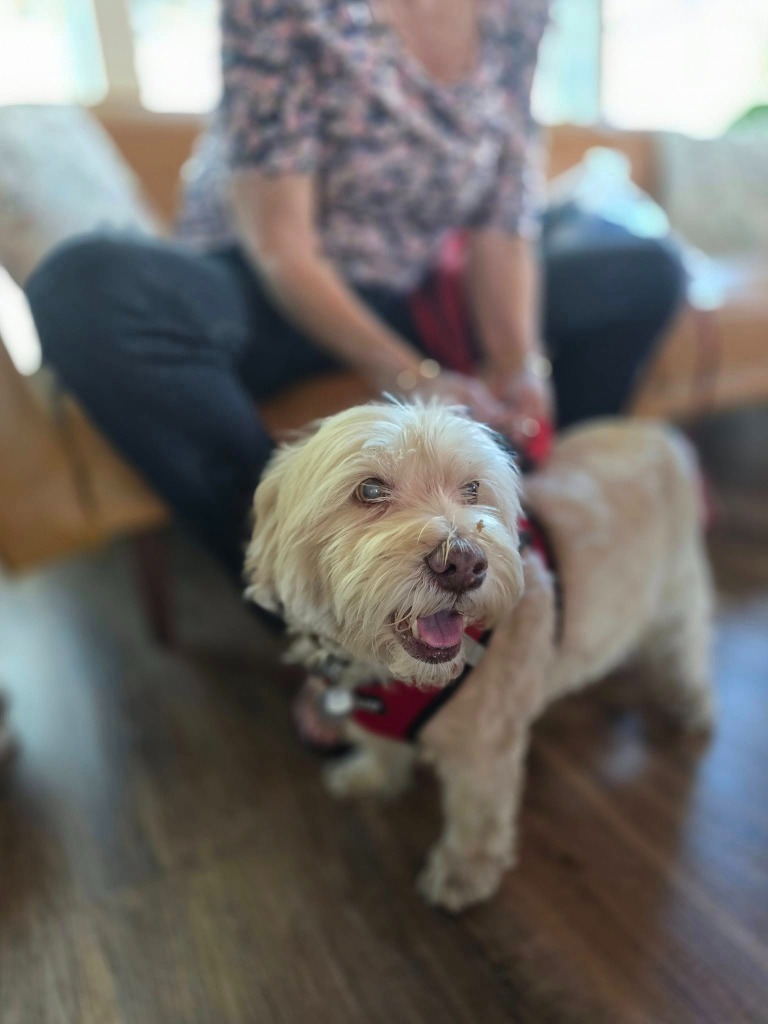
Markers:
399,710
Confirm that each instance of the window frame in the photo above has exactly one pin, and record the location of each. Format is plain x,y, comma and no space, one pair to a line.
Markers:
113,24
115,31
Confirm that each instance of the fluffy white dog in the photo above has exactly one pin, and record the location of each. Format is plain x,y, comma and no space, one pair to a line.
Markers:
388,530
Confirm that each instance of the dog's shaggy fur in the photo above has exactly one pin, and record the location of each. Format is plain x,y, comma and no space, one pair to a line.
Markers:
620,503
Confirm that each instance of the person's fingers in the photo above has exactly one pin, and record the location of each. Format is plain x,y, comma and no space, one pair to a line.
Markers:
514,431
533,403
507,424
484,400
513,415
521,423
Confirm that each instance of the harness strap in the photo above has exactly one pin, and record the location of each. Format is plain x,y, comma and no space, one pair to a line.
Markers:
399,711
533,535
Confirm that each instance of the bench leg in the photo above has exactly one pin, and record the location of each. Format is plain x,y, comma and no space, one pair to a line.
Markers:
153,579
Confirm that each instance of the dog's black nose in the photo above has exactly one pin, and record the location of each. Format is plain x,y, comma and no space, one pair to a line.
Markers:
459,566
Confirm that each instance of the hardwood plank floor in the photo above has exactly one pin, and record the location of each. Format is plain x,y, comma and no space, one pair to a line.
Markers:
168,856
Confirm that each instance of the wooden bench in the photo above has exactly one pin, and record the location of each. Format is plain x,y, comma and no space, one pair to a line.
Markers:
64,488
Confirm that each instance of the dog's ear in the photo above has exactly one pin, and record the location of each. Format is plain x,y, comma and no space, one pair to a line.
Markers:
259,556
266,549
263,558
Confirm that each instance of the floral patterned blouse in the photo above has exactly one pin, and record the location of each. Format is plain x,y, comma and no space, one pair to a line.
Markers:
400,159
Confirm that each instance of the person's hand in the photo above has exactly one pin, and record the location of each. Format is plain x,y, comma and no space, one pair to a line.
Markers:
470,392
528,401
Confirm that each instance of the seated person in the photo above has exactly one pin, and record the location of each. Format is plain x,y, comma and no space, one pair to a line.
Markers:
352,139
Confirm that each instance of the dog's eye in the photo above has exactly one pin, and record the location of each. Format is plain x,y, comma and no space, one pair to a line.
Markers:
470,492
372,490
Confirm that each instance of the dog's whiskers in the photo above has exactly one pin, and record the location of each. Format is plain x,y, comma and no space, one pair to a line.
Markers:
425,526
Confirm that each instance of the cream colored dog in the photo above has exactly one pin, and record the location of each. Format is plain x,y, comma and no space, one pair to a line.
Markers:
385,532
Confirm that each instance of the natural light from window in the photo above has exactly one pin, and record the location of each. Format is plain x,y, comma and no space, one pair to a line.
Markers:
567,85
16,326
691,66
177,59
49,52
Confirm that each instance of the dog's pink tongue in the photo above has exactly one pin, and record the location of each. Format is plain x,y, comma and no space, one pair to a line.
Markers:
443,629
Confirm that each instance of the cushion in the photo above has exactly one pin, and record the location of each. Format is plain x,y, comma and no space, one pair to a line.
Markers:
714,190
60,175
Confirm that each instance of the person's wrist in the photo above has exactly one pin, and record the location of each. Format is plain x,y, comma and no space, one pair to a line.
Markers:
532,363
416,375
537,365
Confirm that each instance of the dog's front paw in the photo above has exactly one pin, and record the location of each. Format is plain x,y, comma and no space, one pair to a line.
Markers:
690,710
455,881
363,773
698,715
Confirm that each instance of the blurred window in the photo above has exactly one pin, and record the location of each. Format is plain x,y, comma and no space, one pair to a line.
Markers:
567,85
176,45
692,66
49,52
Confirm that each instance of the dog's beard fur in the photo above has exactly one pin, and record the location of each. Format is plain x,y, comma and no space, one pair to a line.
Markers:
354,573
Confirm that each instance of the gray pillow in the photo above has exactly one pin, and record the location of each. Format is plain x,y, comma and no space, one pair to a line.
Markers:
60,175
716,190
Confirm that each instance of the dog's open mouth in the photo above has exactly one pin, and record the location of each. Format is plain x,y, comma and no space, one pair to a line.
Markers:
434,638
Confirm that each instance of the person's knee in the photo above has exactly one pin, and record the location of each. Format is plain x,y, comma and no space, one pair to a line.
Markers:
86,264
669,267
632,281
72,293
657,279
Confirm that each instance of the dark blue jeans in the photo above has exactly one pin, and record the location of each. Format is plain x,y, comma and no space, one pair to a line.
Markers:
170,350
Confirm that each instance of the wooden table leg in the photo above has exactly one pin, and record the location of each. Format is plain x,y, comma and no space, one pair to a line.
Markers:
154,584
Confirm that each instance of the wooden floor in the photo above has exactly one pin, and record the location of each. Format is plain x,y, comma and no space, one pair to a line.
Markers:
167,853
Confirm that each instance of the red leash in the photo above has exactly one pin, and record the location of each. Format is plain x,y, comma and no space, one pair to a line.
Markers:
441,315
440,311
395,709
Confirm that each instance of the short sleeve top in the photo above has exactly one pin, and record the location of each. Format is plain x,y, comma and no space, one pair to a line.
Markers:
400,160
